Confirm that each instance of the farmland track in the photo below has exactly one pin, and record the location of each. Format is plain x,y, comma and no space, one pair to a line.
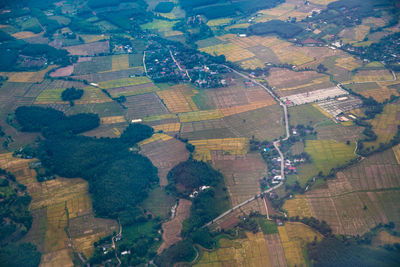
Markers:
276,145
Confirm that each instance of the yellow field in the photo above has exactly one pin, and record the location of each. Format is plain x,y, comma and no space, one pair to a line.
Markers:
160,117
172,33
385,125
251,251
384,237
120,62
360,32
112,119
24,35
348,63
158,24
91,95
27,76
239,109
124,82
396,150
370,76
168,127
281,12
231,51
298,206
56,197
314,82
155,137
201,115
235,146
294,238
178,99
252,64
243,42
382,93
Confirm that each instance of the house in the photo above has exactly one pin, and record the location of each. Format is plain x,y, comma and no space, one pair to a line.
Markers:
126,252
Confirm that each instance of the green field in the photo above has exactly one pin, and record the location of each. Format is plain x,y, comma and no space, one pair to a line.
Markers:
267,227
124,82
325,155
305,115
158,24
159,203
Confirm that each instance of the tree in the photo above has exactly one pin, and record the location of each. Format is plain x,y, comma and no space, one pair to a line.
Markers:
71,94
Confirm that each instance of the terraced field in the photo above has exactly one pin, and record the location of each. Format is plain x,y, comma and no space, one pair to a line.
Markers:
50,202
360,197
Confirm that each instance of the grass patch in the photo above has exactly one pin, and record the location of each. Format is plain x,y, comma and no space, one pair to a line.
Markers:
159,203
267,227
305,115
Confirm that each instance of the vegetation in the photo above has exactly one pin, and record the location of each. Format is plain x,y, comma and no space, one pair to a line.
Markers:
15,222
20,55
283,29
181,251
192,174
118,179
50,121
334,252
71,94
16,255
222,8
164,7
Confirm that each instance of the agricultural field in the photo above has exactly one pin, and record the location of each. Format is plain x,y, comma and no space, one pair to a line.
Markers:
263,123
359,197
282,12
305,115
178,98
294,238
338,132
159,203
91,95
325,155
91,49
27,76
384,125
164,152
380,91
250,251
87,65
172,228
144,105
50,200
379,75
200,115
231,51
211,129
229,146
120,62
383,237
242,173
108,130
112,119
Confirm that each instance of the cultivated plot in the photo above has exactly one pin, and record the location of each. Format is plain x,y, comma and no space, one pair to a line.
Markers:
145,105
51,199
164,152
242,174
90,49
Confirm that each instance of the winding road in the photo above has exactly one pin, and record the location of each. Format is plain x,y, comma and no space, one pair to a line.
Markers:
276,145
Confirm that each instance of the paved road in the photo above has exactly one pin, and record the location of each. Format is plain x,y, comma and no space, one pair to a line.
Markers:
276,145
